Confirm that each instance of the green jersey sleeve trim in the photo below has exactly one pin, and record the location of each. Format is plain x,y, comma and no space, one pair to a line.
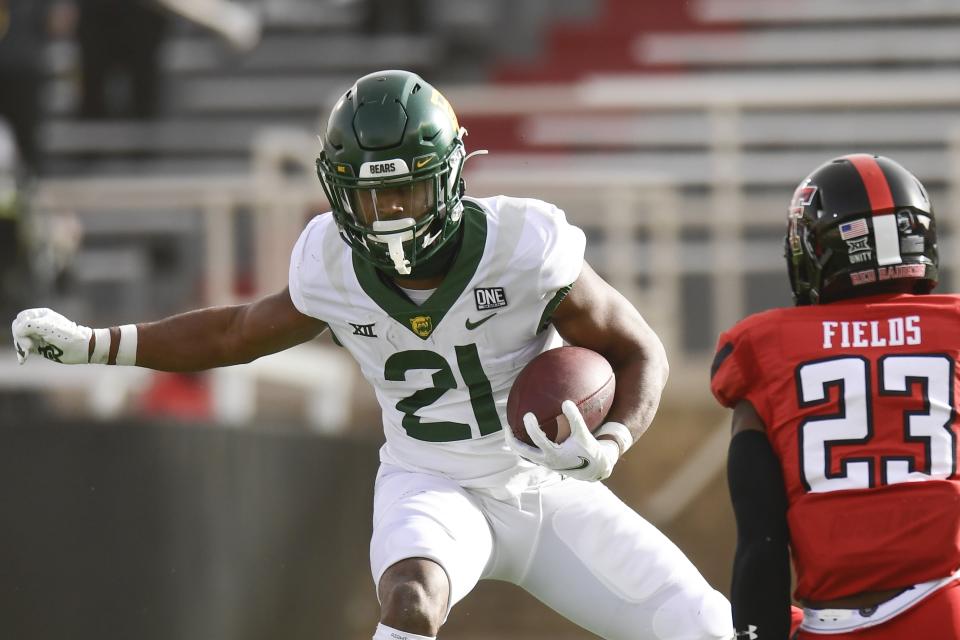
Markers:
333,336
552,306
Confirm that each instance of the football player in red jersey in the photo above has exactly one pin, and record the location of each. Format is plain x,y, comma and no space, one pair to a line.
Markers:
844,445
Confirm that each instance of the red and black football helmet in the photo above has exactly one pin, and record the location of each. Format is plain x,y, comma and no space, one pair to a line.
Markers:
857,225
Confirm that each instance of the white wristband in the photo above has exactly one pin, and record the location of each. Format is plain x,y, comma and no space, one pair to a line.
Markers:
127,349
619,432
101,346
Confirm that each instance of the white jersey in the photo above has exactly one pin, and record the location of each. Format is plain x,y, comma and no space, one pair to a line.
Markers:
442,370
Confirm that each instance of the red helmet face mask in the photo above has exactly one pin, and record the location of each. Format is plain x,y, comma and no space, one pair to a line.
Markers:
856,223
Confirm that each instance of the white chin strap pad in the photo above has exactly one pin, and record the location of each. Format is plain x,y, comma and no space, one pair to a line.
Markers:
394,241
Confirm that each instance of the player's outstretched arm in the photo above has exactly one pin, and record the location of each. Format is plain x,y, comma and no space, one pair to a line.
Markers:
596,316
192,341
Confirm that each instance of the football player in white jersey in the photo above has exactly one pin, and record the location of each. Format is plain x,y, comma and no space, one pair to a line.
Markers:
442,299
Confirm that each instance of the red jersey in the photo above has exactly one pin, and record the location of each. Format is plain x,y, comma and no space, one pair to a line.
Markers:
859,402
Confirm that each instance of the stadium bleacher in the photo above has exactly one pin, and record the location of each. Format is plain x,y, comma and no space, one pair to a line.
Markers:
727,103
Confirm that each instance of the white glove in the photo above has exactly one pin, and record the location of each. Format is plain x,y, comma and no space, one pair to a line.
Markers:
48,333
580,456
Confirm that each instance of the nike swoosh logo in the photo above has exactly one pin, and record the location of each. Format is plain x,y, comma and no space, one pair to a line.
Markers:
583,465
422,163
473,325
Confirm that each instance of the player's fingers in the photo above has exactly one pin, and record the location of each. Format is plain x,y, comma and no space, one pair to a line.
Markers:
23,347
578,427
22,328
32,314
30,322
536,434
523,449
20,341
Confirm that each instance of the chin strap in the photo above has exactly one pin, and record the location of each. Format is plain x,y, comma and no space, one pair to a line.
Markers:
394,241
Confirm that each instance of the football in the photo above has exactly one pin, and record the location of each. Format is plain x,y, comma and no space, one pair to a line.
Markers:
564,373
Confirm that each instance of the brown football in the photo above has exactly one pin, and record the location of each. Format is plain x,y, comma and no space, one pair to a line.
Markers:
564,373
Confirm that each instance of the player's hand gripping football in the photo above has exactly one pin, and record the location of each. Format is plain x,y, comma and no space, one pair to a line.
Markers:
580,456
53,336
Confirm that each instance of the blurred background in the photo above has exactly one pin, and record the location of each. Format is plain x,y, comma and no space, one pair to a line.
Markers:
157,156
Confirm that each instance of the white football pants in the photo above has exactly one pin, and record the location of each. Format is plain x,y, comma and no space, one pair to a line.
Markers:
573,545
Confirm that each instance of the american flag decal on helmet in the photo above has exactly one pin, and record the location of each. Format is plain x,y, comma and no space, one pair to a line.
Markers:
853,229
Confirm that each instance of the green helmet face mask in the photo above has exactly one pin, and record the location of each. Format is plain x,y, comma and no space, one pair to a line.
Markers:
391,162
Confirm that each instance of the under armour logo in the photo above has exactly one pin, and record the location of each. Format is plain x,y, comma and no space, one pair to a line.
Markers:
365,330
50,352
750,633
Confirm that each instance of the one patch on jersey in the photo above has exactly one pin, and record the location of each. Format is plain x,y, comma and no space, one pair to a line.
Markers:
489,298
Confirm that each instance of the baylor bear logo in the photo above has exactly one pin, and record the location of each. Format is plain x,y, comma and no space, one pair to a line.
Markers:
422,325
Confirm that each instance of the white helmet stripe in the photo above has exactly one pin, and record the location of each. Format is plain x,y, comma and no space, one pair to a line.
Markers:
887,238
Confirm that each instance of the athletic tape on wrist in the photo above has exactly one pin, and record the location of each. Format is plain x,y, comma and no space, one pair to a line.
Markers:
619,432
127,349
101,346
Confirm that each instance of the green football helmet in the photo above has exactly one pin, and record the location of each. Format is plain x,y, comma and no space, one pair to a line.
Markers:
390,166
